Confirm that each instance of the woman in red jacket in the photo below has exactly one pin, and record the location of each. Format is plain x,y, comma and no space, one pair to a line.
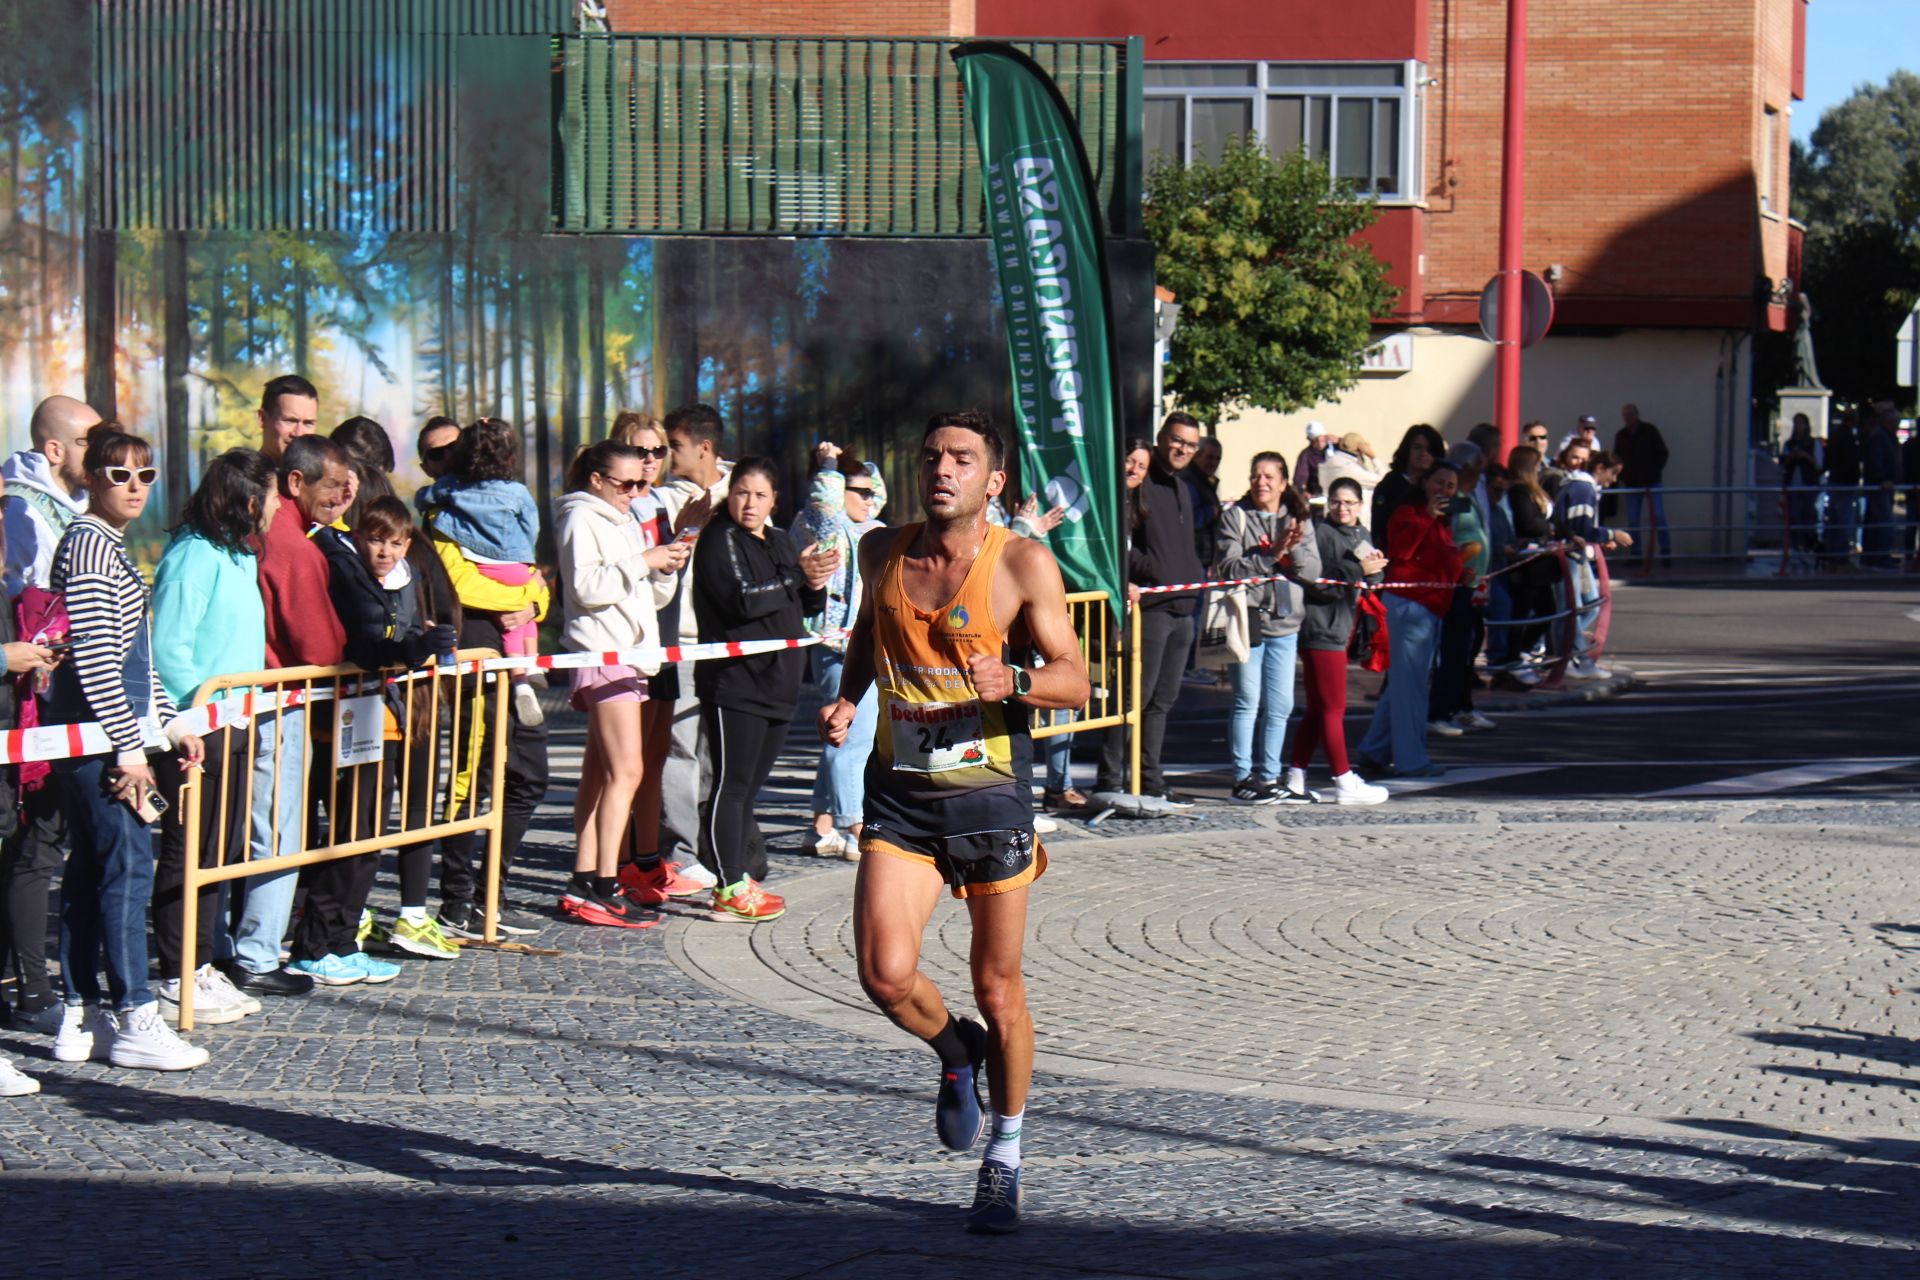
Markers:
1419,550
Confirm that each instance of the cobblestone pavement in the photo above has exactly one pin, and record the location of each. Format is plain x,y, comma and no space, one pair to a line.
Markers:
1434,1039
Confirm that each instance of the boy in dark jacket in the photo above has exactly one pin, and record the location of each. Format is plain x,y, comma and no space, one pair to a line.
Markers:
384,628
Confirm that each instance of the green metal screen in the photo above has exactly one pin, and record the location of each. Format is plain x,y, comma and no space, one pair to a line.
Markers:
662,134
314,116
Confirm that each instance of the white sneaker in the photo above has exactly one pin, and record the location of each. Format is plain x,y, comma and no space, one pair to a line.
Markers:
209,977
85,1034
1587,669
15,1083
145,1040
1043,825
1445,728
698,874
1350,788
208,1006
526,704
1473,721
1525,675
832,844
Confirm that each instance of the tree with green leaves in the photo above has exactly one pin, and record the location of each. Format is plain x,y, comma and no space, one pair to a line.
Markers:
1857,189
1277,299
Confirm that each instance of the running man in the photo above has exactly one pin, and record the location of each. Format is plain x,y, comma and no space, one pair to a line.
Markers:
951,607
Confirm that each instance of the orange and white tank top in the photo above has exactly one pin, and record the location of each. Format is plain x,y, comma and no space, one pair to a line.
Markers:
944,762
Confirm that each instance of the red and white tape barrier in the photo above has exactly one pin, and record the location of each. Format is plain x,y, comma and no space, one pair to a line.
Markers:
70,741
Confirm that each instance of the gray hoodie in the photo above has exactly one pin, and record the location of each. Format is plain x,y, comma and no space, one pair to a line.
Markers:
1245,546
37,511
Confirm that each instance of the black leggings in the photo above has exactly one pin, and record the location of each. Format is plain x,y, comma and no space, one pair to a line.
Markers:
416,860
29,861
223,781
744,747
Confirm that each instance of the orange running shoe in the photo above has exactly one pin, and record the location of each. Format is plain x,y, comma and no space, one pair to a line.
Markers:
664,881
750,904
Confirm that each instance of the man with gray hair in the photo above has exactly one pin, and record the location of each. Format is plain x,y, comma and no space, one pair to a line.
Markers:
46,489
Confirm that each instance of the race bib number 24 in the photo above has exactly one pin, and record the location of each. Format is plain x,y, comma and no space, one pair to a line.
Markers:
936,737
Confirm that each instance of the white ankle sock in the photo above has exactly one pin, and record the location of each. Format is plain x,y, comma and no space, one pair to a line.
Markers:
1004,1146
414,915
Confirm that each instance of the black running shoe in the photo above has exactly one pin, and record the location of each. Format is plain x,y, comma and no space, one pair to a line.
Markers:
958,1117
996,1201
461,920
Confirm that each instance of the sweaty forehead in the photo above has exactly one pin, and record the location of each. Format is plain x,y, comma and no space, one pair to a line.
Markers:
957,441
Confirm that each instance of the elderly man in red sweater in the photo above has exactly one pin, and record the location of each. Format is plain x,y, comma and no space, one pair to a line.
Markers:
302,630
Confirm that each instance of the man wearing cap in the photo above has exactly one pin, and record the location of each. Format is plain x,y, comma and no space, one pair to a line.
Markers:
1306,471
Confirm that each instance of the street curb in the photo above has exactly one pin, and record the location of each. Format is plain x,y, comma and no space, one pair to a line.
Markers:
1621,681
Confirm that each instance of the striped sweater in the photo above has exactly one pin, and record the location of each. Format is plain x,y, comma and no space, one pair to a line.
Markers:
107,608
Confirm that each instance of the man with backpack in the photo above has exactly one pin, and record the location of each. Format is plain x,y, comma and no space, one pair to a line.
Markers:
45,492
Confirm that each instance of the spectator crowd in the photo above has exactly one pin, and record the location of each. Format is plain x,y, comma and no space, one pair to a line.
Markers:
1838,493
1443,569
299,553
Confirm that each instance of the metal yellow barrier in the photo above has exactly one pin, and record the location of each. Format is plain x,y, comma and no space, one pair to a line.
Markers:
445,706
1114,670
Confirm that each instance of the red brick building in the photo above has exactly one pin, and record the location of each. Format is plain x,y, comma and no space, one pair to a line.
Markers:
1656,171
1657,199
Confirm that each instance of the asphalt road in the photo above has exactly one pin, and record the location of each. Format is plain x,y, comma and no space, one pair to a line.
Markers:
1746,691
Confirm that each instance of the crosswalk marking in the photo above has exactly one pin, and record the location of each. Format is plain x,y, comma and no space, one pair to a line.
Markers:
1772,780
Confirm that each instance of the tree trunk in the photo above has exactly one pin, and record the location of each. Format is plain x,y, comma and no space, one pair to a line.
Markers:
103,322
597,342
447,339
300,323
570,360
175,449
542,426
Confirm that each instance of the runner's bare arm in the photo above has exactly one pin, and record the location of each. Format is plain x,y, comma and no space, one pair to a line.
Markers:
836,718
1062,683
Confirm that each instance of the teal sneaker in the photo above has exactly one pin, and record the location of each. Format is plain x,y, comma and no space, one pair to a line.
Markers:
331,971
371,970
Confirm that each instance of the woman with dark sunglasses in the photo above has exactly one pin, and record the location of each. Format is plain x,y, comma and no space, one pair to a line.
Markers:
645,876
111,798
612,589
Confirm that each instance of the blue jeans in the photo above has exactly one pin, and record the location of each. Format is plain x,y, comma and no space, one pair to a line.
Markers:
1500,637
1659,516
105,890
1059,754
1399,729
1262,696
1877,538
268,904
839,788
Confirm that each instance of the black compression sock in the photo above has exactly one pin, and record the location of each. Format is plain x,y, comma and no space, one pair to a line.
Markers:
580,882
948,1044
605,885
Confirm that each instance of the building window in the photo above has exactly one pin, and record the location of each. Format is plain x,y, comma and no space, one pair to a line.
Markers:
1769,149
1359,119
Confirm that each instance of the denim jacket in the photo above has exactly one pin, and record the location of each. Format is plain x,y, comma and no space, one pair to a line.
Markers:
495,519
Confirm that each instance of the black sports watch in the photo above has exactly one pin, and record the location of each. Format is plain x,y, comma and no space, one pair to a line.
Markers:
1022,681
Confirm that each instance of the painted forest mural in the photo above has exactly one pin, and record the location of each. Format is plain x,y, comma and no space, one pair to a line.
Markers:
172,322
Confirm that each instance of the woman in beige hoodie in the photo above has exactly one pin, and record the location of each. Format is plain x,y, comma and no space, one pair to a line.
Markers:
610,588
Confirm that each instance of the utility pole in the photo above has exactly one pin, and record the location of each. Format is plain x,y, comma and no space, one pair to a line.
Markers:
1506,409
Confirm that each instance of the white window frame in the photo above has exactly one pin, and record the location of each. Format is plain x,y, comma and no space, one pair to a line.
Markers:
1268,80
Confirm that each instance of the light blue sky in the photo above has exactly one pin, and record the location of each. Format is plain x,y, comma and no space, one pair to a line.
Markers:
1850,43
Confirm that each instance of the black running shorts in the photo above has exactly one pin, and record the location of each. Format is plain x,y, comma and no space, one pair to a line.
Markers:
972,865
